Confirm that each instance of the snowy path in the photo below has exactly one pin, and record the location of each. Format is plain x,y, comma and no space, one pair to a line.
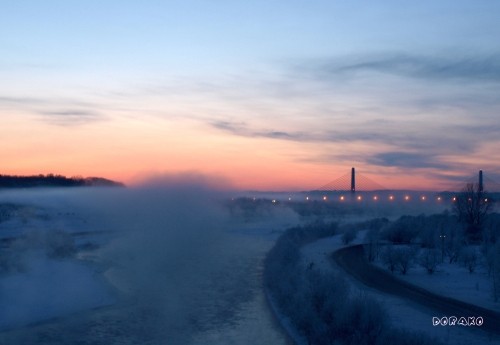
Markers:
402,313
352,260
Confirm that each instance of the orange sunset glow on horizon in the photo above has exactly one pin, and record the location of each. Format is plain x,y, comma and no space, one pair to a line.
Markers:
243,101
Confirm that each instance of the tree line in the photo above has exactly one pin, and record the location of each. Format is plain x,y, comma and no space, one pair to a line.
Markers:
51,180
468,236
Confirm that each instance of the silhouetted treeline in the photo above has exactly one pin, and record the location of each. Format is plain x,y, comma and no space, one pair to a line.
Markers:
51,180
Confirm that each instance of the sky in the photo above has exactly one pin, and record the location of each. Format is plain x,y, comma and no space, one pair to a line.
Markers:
266,95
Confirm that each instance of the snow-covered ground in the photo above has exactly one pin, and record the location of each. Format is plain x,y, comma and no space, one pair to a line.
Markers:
454,281
50,289
35,286
402,313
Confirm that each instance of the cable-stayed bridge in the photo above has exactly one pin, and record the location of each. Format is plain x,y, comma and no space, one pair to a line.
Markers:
355,187
352,182
484,182
355,182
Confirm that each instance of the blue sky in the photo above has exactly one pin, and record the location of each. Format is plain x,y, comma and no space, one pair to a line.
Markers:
394,88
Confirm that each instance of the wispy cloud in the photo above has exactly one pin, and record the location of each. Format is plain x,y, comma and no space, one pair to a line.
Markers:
432,140
242,129
71,117
407,160
60,112
26,101
452,67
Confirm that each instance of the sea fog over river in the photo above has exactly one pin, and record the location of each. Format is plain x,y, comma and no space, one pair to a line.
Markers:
161,264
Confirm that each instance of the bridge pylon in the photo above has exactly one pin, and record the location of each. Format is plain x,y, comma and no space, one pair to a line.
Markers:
353,180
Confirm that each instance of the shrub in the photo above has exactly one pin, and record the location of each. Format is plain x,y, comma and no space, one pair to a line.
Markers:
400,258
404,258
429,259
469,258
403,230
389,258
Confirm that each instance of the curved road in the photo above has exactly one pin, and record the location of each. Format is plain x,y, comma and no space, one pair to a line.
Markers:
352,260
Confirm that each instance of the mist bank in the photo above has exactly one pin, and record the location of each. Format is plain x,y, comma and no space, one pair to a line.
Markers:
174,264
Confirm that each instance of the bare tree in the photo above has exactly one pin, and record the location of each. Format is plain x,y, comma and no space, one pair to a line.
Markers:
472,206
400,258
453,247
429,259
469,258
389,257
405,256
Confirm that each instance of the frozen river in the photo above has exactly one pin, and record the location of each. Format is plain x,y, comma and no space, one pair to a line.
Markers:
169,275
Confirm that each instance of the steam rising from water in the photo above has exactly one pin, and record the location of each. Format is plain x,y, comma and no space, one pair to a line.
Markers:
175,271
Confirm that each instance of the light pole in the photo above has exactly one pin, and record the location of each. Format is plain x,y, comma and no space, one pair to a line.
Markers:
442,236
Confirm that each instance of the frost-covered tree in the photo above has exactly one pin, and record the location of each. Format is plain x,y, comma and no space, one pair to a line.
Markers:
398,258
469,258
389,258
403,230
429,259
472,206
321,306
404,258
453,244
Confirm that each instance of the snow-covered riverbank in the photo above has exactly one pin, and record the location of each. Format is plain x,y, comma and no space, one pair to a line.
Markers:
402,314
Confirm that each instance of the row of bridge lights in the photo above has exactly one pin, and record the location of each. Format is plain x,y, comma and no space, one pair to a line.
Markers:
391,198
376,198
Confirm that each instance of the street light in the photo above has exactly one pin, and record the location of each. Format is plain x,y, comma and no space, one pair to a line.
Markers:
442,236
